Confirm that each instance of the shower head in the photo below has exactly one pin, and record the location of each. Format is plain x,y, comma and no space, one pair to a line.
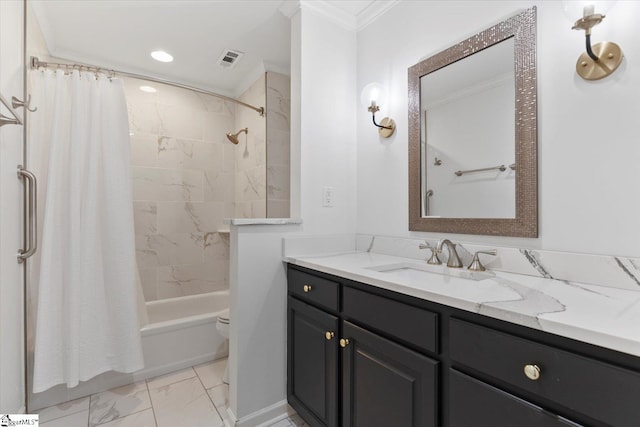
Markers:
233,137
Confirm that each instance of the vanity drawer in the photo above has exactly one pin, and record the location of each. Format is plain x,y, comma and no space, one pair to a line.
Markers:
314,289
415,326
474,403
604,392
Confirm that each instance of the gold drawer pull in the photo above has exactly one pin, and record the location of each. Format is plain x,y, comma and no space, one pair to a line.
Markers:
328,335
306,288
344,342
532,372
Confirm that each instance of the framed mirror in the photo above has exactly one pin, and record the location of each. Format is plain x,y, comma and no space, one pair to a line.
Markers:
473,134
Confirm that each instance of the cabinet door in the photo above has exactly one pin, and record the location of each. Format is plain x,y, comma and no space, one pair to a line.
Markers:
474,403
312,383
386,384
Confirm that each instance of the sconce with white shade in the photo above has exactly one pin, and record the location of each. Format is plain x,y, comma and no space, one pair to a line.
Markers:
373,96
601,59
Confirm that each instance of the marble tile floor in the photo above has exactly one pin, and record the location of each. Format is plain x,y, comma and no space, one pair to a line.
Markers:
192,397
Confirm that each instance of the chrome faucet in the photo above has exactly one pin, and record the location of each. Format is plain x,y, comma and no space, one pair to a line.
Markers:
454,259
476,265
434,260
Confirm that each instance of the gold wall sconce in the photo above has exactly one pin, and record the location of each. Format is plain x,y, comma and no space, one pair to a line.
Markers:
601,59
373,95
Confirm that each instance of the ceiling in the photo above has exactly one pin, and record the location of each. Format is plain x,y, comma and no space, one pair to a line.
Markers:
120,34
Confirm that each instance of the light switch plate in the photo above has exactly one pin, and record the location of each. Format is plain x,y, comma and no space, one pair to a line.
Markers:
328,196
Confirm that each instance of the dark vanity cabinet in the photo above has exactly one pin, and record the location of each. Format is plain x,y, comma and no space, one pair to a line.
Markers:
601,392
361,356
345,374
384,383
313,363
474,403
313,334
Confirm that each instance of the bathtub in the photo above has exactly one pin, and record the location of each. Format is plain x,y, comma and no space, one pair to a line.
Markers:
181,332
185,310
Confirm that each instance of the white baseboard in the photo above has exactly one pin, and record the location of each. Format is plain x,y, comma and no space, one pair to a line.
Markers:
264,417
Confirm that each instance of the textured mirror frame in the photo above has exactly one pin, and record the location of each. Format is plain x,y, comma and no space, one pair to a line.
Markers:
522,28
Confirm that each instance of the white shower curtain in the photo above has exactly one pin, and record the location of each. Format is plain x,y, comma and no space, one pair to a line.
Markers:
87,308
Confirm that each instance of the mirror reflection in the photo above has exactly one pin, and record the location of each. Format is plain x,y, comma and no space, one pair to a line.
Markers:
468,136
473,134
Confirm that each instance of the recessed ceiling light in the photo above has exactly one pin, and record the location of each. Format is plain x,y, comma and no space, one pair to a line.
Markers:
148,89
131,133
161,55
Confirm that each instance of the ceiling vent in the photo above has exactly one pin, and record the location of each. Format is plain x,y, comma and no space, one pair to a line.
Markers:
229,58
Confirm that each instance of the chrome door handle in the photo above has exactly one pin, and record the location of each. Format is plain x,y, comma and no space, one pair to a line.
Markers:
31,214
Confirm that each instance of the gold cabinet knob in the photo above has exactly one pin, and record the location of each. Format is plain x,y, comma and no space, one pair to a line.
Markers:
306,288
344,342
328,335
532,372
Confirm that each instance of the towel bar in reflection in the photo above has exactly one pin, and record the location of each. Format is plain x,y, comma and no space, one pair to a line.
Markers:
501,168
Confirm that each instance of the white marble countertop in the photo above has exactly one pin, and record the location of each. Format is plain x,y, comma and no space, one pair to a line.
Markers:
607,317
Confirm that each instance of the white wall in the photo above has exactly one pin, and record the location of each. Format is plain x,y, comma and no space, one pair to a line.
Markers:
258,327
587,140
11,279
323,153
327,134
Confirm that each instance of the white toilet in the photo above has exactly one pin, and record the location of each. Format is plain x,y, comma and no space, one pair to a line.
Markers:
222,325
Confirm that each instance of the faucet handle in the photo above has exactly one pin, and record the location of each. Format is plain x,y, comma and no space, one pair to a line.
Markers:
434,260
476,265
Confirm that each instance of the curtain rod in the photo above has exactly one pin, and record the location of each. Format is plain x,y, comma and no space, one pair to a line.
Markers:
36,63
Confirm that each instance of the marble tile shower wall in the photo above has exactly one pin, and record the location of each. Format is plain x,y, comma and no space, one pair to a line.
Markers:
278,148
183,188
262,165
251,156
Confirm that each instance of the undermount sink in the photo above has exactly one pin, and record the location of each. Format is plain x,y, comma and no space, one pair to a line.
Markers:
421,271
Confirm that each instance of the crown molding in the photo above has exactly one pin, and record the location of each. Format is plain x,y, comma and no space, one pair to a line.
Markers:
346,20
374,11
331,12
